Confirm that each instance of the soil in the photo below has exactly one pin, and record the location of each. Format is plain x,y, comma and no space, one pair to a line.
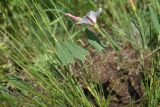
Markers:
119,73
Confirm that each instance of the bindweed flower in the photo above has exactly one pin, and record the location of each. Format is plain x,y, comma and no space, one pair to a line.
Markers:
75,18
89,19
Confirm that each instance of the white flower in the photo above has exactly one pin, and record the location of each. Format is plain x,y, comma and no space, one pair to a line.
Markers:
90,18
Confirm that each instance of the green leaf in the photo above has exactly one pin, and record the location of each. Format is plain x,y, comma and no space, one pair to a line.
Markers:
136,35
63,54
20,85
69,51
94,40
154,19
6,96
77,51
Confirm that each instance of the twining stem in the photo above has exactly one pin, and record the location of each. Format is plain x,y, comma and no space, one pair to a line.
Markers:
114,45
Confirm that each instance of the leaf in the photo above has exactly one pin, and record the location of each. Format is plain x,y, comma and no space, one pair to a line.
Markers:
94,40
136,34
21,86
69,51
42,60
154,19
8,97
77,51
63,54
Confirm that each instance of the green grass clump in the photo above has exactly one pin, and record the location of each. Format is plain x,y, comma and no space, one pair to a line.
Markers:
37,44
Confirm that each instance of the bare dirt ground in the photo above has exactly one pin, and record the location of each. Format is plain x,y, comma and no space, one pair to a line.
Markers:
119,73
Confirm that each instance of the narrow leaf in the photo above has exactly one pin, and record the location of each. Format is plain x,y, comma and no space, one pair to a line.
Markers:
154,19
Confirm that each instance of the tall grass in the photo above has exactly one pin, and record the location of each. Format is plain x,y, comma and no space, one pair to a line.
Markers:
37,44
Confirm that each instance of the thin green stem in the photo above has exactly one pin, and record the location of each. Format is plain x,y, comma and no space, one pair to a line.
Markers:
114,45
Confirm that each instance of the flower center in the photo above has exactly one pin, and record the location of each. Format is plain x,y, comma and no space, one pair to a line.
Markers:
90,19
